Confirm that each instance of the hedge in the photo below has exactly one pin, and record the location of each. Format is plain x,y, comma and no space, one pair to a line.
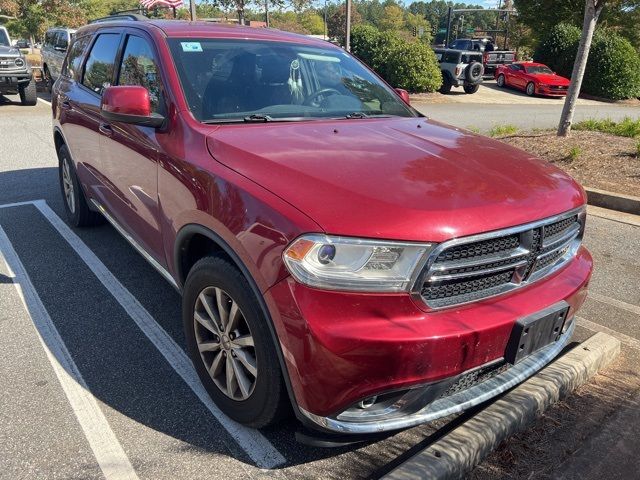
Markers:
613,68
403,64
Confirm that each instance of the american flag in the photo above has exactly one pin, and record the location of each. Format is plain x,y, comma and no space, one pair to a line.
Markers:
160,3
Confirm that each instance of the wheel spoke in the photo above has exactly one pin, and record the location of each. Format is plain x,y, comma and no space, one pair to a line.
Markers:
243,341
215,365
209,308
209,346
223,308
247,360
243,382
206,323
231,376
234,313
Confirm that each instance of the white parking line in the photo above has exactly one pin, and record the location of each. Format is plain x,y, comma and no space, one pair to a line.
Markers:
256,446
111,458
596,327
615,303
44,101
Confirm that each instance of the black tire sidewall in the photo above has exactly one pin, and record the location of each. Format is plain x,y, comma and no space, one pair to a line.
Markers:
28,94
501,76
63,156
527,89
263,405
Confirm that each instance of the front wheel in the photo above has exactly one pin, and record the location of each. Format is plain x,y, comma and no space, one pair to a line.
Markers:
531,89
500,81
446,86
471,88
230,344
28,94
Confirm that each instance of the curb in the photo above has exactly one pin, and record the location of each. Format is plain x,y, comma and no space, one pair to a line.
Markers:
459,451
613,201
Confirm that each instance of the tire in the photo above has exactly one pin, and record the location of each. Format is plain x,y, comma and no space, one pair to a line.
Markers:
531,89
471,88
474,72
48,81
75,202
28,94
501,81
446,85
264,401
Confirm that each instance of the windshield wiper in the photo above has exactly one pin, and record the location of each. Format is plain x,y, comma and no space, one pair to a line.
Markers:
365,115
258,117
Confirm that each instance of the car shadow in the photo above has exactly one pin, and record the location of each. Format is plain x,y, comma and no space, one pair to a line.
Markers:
163,304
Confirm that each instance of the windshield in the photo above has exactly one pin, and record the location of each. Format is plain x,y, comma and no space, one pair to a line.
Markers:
539,69
4,40
236,80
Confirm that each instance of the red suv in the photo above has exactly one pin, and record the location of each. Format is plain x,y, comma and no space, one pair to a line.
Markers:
336,251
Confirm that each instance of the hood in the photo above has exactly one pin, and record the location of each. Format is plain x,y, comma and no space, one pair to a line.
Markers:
404,179
551,79
9,51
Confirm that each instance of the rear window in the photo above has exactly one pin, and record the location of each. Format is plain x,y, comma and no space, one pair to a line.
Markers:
471,57
451,57
98,70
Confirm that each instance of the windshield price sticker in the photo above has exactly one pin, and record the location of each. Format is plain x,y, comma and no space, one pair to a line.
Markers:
191,46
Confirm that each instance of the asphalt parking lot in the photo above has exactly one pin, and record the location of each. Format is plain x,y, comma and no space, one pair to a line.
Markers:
92,370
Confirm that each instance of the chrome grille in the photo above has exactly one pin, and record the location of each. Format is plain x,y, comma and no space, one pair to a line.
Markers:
473,268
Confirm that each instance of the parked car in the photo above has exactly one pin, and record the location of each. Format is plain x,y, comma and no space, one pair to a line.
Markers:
22,43
338,254
16,77
533,78
492,57
54,50
460,69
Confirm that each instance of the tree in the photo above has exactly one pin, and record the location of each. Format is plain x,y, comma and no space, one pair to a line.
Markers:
592,10
312,22
336,19
392,18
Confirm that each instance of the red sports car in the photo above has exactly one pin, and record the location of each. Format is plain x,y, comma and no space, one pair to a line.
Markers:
533,78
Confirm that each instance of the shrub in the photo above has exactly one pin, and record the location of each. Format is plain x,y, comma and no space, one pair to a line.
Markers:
558,48
613,68
574,153
403,64
503,130
627,127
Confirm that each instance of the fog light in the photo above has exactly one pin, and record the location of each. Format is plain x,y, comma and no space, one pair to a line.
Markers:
368,402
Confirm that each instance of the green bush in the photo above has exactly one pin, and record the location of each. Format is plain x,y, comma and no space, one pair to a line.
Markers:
558,49
613,68
403,64
627,127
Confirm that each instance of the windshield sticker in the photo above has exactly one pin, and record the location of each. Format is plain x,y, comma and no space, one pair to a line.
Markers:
191,46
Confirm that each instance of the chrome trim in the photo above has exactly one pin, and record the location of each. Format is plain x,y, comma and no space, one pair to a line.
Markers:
435,278
161,270
457,402
518,252
518,281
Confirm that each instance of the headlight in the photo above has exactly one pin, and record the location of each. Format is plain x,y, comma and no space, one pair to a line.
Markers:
19,62
345,263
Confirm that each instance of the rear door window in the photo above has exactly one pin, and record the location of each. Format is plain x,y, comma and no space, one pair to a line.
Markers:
139,67
98,69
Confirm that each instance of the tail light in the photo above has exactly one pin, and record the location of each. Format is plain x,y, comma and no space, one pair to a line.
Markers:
458,70
485,58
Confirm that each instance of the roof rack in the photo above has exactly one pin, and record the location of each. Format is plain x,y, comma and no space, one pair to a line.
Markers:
121,16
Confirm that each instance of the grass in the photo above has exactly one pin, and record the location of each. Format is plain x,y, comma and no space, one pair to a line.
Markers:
503,130
627,127
473,129
574,153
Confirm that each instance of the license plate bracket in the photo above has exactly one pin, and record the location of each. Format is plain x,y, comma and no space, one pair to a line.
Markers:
536,331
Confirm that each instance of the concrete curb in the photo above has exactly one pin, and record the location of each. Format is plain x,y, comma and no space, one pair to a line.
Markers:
455,454
613,201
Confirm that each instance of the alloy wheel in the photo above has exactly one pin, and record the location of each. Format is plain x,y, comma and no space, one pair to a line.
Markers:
225,343
67,185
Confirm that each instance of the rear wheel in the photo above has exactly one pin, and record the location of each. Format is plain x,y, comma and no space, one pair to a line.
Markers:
531,89
471,88
46,77
500,80
446,86
28,94
75,202
230,344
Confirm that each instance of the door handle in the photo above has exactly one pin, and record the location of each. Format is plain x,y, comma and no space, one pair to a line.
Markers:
105,129
64,104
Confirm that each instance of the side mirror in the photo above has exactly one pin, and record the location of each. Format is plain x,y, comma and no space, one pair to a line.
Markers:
129,104
404,95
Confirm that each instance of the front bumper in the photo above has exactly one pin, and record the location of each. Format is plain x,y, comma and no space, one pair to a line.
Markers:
344,348
552,91
12,80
